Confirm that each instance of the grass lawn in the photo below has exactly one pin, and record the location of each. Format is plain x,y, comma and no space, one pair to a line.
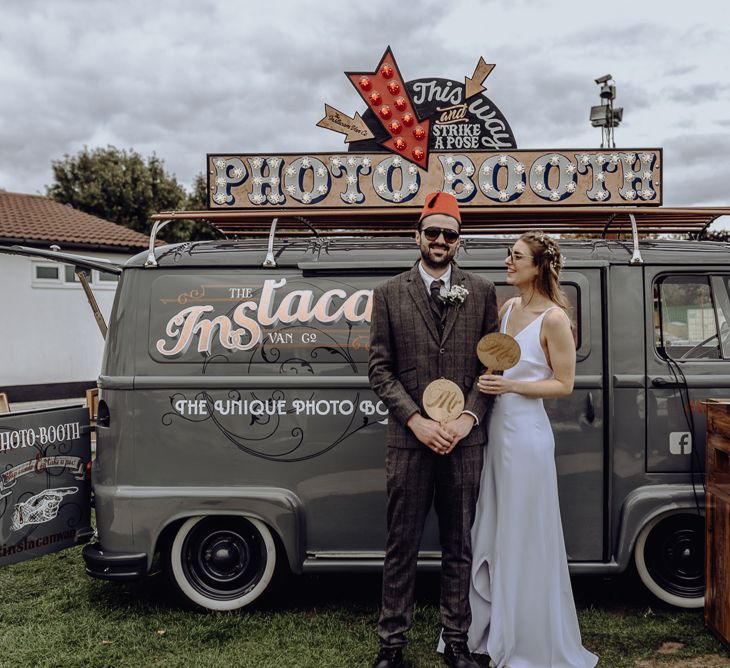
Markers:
52,614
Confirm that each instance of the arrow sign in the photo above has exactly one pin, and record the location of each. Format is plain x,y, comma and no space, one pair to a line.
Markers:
384,91
354,129
474,83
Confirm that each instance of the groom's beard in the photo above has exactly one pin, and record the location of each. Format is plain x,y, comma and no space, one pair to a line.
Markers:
437,262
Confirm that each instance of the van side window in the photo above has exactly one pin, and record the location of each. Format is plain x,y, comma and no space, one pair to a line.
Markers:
685,318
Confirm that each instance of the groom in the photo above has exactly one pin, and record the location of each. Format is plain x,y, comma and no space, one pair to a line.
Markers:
421,331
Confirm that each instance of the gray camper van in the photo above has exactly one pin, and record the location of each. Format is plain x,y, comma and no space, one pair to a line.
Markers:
236,428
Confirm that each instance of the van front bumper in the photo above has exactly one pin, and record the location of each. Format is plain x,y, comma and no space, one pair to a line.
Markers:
107,565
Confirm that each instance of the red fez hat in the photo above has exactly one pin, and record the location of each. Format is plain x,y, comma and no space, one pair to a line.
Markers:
441,202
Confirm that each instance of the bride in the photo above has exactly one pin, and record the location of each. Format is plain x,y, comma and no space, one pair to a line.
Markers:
523,614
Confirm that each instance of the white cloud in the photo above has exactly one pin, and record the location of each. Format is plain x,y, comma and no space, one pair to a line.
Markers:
184,79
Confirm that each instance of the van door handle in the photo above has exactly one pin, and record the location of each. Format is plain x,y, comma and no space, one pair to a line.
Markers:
664,382
590,410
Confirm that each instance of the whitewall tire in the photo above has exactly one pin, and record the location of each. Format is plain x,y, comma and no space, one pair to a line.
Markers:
670,558
222,562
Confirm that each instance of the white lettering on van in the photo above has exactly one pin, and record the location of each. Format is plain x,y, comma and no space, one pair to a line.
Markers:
240,293
191,407
278,337
323,407
256,407
242,331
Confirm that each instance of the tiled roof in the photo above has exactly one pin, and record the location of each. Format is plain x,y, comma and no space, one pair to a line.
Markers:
31,219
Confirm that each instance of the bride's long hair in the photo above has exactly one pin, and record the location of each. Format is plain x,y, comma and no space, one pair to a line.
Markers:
549,261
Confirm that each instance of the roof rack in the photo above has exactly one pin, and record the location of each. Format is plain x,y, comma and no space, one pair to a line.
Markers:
161,220
601,221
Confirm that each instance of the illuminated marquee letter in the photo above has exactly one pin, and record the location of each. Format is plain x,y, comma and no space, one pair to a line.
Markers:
490,176
272,182
543,171
383,179
351,166
452,179
294,180
228,173
600,165
637,169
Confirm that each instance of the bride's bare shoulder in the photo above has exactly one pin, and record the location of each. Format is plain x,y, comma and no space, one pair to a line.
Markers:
557,319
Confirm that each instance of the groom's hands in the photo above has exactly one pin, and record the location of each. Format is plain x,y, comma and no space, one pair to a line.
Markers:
432,434
441,438
459,428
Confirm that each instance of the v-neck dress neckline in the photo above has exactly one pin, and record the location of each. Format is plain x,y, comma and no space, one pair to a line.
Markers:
539,316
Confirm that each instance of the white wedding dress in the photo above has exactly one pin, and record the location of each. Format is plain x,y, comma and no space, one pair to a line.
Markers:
523,613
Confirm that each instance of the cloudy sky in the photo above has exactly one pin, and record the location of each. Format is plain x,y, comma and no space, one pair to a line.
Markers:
181,78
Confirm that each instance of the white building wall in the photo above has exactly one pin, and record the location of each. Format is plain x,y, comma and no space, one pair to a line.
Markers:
47,330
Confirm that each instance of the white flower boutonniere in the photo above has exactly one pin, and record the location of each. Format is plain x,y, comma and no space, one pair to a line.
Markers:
456,296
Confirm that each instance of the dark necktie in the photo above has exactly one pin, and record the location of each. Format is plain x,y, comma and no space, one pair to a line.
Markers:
437,304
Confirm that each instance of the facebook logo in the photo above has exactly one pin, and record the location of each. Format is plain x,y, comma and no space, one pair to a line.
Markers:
680,442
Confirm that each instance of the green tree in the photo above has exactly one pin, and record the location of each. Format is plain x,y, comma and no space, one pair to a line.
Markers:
120,186
197,200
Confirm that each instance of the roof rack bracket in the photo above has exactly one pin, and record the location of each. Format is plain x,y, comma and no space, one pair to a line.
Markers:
636,255
270,261
151,260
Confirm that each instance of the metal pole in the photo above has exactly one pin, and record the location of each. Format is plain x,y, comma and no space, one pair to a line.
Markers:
81,275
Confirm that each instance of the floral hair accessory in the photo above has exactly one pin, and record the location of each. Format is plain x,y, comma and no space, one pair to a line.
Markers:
555,261
456,296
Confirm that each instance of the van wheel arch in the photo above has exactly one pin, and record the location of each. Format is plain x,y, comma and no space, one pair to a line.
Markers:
669,557
220,562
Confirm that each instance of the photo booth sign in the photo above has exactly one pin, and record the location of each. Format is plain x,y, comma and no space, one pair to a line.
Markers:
44,486
429,134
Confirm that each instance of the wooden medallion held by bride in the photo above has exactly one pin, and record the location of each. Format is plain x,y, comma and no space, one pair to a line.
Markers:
498,352
443,400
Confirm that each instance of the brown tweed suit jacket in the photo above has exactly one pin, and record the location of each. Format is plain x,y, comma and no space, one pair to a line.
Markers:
406,352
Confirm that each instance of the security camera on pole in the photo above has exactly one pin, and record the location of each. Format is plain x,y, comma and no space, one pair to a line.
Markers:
604,115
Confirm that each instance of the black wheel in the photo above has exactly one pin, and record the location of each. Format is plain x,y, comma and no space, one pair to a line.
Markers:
222,563
670,559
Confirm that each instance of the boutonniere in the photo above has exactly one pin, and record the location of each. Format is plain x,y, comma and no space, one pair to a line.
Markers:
456,296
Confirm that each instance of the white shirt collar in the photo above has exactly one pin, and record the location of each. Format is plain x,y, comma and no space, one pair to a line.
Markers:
428,279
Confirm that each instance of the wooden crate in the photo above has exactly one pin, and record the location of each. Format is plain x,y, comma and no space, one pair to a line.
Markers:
717,514
92,403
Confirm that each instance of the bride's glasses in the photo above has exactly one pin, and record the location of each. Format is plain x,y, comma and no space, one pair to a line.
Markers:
516,257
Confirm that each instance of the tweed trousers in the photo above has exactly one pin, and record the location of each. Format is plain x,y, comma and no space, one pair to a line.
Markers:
416,480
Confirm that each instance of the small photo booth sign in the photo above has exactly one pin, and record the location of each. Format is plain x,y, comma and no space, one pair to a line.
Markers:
44,485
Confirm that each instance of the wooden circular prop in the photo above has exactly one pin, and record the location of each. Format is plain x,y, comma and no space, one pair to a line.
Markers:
443,400
498,351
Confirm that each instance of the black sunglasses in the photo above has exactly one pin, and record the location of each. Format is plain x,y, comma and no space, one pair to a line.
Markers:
432,233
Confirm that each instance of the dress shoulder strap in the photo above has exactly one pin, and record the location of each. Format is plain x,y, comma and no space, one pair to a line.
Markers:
549,308
503,326
552,308
541,317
